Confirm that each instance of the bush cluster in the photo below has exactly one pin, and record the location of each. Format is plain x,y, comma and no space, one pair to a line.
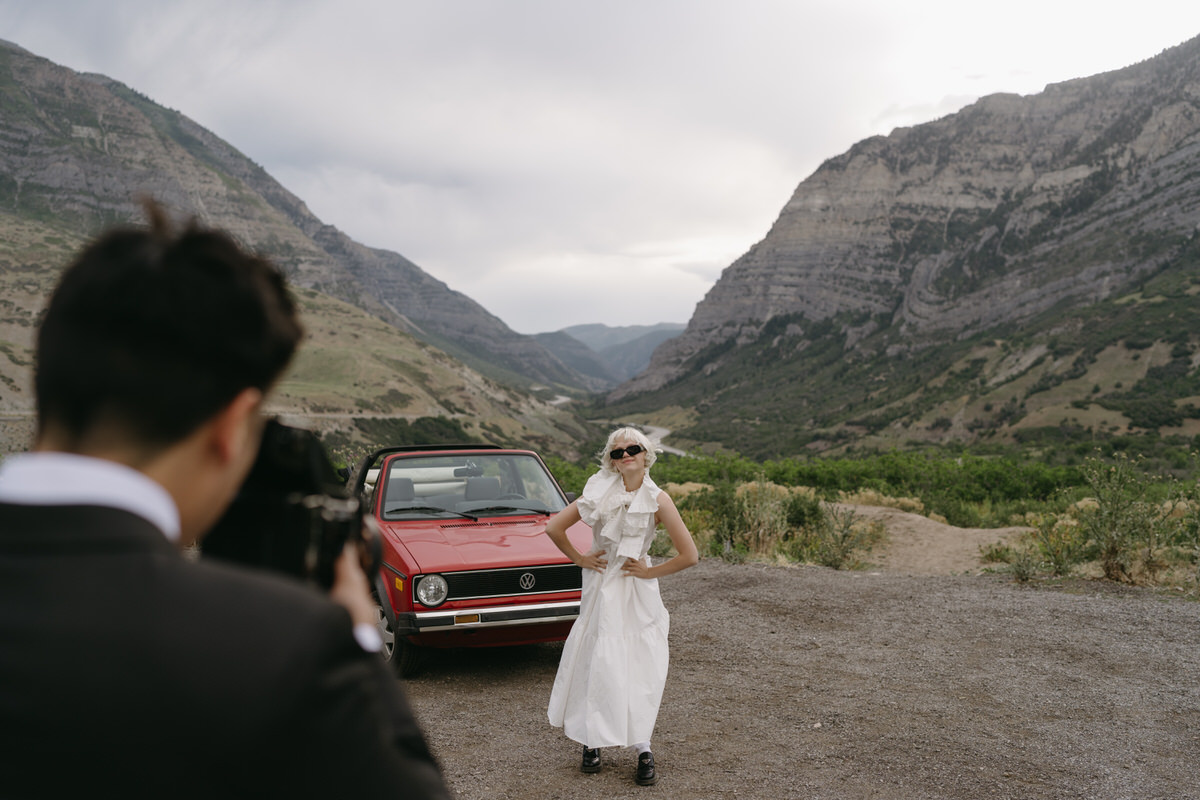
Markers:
967,490
1134,527
762,520
1112,515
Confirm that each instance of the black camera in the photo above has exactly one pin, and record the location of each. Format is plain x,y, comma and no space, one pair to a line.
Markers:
293,513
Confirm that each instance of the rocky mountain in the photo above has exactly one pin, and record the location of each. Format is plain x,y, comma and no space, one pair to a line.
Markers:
605,338
625,349
582,359
76,151
992,222
387,342
357,380
608,354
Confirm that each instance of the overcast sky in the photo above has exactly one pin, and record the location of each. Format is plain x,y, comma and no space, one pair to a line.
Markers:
565,162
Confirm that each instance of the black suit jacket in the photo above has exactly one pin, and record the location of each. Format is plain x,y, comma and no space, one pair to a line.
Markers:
127,670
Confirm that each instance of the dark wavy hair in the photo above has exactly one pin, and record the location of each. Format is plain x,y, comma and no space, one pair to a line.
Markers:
153,330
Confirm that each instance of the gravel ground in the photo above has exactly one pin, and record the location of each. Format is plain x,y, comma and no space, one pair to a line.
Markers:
803,682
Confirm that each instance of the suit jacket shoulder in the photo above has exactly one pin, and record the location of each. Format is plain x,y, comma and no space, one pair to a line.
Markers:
242,681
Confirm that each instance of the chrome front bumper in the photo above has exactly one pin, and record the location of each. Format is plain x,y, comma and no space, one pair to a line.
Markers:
490,617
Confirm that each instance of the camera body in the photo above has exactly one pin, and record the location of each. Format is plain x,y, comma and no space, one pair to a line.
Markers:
292,514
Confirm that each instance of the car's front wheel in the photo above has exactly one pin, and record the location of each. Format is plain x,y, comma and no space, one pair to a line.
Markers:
404,658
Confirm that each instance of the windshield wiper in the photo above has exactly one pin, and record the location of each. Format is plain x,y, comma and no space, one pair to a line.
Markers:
427,509
513,508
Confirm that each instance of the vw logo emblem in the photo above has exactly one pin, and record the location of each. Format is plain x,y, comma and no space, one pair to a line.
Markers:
527,581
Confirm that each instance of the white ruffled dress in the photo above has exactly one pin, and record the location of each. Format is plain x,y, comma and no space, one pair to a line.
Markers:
614,663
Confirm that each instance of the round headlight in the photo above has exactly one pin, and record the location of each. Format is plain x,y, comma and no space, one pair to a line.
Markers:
432,590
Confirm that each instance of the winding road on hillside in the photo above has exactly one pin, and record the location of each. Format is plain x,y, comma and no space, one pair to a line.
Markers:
658,434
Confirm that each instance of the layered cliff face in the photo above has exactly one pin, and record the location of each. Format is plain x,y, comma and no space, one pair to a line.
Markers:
989,216
77,150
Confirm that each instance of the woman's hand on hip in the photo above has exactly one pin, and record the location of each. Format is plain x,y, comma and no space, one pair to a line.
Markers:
636,568
593,560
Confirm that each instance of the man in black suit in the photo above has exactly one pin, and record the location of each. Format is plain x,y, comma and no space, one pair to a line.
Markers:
126,669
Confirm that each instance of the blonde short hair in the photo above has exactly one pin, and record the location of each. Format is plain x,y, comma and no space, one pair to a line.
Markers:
629,435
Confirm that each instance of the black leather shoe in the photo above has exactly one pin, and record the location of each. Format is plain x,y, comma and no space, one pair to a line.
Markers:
591,760
646,776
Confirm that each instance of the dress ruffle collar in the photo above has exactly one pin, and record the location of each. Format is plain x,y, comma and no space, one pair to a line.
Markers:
624,515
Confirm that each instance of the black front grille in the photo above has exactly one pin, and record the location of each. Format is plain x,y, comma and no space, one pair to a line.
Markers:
507,582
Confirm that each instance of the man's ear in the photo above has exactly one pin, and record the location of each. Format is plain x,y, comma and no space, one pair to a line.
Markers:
237,425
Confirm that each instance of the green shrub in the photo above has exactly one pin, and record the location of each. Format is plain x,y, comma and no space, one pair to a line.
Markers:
997,553
951,485
662,547
763,520
571,477
840,535
1060,543
1121,525
1025,564
803,510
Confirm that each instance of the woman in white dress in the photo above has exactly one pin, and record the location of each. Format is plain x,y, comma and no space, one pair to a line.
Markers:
614,664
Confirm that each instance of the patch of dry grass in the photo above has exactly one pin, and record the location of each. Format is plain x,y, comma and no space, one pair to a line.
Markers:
870,497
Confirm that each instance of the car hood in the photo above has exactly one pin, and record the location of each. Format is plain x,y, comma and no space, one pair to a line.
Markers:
449,545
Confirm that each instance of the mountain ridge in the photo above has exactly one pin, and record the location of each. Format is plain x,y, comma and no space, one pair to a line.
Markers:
895,223
998,221
76,151
1027,267
609,354
77,148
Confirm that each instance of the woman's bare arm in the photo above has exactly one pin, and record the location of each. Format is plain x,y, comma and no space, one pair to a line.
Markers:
685,548
556,529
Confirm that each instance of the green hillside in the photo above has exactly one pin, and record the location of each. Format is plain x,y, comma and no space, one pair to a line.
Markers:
357,380
1124,366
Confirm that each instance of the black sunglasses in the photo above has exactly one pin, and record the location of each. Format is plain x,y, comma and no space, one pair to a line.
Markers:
620,452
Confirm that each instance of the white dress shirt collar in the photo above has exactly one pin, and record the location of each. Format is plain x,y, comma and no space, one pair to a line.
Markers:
62,479
65,479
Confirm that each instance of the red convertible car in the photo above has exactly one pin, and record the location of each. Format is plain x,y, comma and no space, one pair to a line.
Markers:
466,561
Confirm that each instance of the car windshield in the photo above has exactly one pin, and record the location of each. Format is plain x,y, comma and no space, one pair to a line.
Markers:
467,485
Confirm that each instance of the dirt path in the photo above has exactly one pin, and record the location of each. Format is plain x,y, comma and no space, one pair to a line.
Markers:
917,545
804,682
